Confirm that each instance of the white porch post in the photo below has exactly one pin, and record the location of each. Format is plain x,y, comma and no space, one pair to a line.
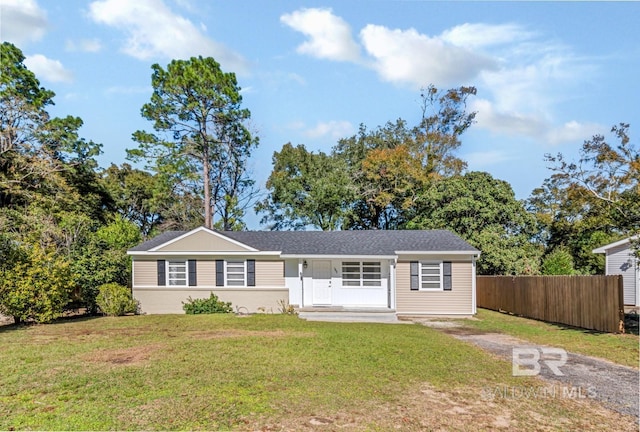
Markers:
301,276
392,284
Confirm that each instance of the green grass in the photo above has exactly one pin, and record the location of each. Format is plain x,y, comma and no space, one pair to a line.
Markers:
618,348
224,372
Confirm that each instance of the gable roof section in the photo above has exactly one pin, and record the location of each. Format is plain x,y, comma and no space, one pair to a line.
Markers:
356,243
605,248
198,240
159,240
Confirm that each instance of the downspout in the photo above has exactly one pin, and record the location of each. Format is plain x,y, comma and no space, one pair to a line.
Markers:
474,309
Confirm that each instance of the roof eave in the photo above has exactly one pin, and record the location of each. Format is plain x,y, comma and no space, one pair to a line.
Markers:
475,253
206,253
603,249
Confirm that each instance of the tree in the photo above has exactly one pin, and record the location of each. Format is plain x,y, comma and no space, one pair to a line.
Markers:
137,196
485,212
558,262
606,174
444,119
306,188
390,164
202,132
102,258
37,288
591,202
43,160
22,99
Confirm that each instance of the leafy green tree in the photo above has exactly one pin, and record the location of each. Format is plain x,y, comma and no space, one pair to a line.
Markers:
485,212
558,262
37,288
203,140
390,164
103,259
362,153
42,158
591,202
306,188
138,196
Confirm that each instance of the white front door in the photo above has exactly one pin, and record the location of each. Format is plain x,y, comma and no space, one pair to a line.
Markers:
321,283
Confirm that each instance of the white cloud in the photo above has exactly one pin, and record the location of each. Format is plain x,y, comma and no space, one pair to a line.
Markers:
47,69
520,75
22,21
483,35
507,121
333,129
410,57
573,131
477,160
153,30
536,127
86,45
329,35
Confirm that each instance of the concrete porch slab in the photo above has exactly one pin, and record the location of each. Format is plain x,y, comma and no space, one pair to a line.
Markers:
341,314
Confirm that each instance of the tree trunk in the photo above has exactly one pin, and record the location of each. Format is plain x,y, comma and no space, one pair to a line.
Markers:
208,216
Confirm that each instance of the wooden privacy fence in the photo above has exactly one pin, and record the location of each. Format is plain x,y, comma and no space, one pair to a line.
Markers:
591,302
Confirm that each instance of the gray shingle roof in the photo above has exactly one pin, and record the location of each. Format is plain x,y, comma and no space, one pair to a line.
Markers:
337,242
157,241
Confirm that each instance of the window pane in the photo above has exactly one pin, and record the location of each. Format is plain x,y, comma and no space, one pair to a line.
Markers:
177,273
431,276
361,274
235,272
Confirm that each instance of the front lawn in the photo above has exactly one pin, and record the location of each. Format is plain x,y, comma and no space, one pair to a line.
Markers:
618,348
267,372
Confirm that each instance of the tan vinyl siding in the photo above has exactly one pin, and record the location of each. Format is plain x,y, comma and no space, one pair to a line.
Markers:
206,272
270,274
202,241
169,300
457,301
145,273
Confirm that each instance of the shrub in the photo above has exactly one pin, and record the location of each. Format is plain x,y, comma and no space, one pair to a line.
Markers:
115,300
206,306
37,288
558,262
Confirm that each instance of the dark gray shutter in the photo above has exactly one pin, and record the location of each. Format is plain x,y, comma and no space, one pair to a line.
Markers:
193,277
415,276
446,276
219,272
251,272
162,277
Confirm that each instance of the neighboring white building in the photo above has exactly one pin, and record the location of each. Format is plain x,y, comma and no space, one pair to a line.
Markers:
620,260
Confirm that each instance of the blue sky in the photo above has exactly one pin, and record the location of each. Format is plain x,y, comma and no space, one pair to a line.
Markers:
549,74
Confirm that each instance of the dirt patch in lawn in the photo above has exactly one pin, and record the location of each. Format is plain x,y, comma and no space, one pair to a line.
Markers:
470,409
43,334
127,356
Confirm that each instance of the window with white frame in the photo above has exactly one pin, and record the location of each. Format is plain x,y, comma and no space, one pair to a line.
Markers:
177,273
236,273
431,275
361,274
